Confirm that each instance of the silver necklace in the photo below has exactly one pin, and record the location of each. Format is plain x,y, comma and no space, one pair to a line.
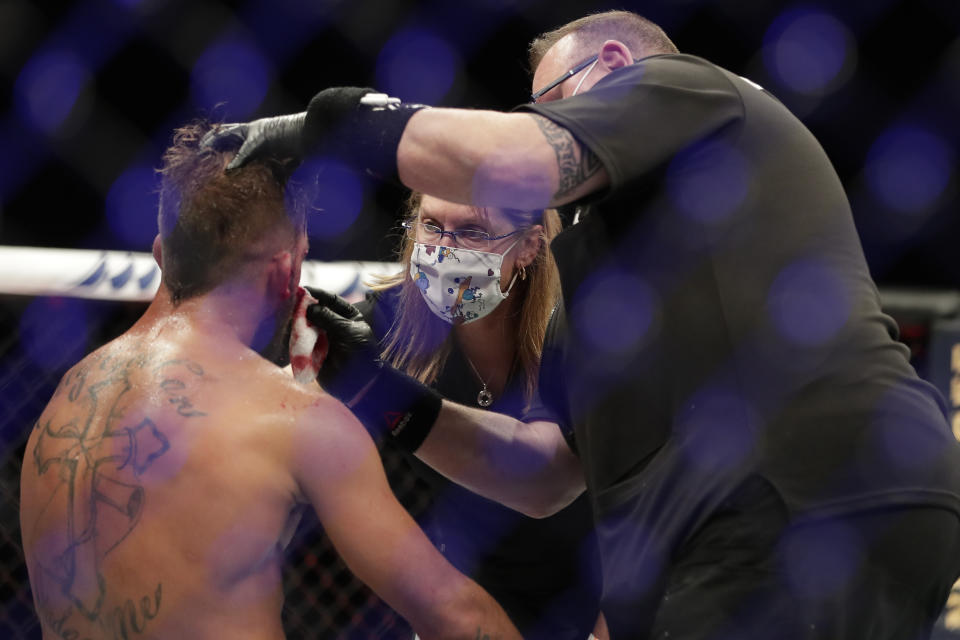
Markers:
484,398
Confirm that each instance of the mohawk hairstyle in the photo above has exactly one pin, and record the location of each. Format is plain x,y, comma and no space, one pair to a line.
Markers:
214,222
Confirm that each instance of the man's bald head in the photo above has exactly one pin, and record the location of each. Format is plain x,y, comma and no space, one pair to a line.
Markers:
641,36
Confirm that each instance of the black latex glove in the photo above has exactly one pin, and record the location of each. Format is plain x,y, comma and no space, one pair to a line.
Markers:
277,137
353,358
393,403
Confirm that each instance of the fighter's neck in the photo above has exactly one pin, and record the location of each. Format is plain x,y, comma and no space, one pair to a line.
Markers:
224,317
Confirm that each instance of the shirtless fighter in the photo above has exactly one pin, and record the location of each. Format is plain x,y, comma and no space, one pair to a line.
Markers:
166,475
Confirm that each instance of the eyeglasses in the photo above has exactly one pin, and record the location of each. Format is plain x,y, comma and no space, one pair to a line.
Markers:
466,238
572,72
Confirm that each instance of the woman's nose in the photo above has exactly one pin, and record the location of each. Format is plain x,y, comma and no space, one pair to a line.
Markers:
447,239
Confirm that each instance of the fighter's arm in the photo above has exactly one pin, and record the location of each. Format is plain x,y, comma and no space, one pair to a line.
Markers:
528,467
517,160
339,471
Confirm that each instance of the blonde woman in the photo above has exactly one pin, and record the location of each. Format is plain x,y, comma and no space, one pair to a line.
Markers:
467,316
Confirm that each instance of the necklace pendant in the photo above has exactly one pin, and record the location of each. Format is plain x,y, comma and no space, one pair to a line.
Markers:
484,398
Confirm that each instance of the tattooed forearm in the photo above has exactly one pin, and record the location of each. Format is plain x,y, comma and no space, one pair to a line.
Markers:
573,171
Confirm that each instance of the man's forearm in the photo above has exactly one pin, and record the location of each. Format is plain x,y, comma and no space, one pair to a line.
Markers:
485,158
526,466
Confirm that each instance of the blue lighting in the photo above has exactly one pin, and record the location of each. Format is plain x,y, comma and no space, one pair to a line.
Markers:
819,561
335,194
131,207
55,332
808,303
908,168
717,430
615,312
48,87
807,49
232,77
708,182
417,66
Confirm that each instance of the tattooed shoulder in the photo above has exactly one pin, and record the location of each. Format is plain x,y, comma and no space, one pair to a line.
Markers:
575,162
176,376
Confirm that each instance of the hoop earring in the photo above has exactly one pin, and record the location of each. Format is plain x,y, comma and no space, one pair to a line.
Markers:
523,272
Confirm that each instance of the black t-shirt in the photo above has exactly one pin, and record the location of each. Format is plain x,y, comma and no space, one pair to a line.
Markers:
543,572
721,320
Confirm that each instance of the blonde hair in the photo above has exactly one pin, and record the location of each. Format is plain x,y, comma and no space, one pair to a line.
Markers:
419,343
642,37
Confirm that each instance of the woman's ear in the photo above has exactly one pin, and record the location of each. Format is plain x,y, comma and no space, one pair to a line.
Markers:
530,245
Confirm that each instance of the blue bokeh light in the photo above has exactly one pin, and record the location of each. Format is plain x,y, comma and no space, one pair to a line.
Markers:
638,567
721,429
908,442
48,87
820,561
131,207
231,76
417,66
55,332
908,168
709,181
808,303
808,50
335,195
615,312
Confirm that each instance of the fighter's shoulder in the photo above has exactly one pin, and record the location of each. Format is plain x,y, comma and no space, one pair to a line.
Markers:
305,403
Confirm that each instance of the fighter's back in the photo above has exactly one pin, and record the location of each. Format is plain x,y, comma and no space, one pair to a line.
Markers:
156,493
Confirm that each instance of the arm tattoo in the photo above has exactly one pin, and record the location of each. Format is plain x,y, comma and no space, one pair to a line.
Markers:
573,171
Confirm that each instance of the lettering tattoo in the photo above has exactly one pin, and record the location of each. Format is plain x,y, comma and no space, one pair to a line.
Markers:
98,444
122,623
573,171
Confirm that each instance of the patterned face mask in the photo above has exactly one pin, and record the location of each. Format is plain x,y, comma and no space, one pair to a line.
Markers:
459,285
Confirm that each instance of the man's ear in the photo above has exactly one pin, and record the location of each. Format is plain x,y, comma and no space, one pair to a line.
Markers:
614,55
278,280
158,251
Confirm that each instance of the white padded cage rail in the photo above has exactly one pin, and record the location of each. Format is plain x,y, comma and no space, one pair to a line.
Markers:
126,275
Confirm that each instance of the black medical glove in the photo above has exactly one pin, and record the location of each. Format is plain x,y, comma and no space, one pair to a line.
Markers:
278,137
390,401
353,356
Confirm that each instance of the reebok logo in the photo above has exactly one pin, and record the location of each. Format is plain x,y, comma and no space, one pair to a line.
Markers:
396,421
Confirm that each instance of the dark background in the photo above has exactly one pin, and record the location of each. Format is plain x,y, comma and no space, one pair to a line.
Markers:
91,91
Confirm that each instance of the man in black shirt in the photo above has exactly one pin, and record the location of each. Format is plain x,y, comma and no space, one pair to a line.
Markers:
761,457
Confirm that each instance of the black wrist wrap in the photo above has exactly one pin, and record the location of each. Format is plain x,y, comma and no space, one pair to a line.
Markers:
362,136
399,405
